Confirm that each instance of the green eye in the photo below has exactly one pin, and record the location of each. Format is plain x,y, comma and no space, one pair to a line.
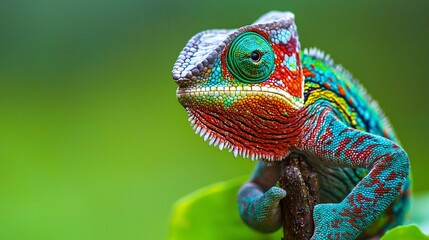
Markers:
250,58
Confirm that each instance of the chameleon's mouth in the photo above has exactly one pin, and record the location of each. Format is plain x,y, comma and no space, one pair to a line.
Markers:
240,91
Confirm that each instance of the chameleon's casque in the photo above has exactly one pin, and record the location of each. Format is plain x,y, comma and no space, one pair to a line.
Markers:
254,91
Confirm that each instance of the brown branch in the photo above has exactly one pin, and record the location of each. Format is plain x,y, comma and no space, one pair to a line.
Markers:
301,184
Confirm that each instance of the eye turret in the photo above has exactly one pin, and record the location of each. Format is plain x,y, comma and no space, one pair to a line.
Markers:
250,58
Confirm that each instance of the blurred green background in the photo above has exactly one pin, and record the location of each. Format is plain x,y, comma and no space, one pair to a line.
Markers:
93,144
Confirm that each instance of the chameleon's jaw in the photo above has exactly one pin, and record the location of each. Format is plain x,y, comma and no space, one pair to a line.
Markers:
222,93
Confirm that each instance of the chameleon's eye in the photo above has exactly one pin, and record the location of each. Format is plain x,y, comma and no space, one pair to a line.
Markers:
250,58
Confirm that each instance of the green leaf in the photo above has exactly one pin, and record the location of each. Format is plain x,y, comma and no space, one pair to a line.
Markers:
212,213
420,211
405,232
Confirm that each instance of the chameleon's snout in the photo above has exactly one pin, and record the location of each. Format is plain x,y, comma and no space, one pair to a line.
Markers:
183,82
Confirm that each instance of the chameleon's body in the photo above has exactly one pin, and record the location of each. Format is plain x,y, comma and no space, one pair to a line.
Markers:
254,91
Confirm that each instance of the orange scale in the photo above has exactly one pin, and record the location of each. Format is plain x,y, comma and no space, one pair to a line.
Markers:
341,90
326,85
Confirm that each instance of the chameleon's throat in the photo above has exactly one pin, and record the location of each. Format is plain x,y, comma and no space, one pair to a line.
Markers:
248,135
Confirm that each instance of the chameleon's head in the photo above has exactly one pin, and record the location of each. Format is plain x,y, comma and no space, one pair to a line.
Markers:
239,86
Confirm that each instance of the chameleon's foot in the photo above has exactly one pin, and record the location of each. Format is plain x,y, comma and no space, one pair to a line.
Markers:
268,208
262,213
331,224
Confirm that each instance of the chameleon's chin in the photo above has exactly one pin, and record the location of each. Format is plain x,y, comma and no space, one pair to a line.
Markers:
251,124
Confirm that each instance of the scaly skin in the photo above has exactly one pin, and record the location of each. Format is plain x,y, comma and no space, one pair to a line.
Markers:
253,91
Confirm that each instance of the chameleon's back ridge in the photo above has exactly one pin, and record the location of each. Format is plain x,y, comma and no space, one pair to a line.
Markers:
253,91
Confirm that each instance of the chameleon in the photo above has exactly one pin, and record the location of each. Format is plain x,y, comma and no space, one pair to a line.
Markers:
252,90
